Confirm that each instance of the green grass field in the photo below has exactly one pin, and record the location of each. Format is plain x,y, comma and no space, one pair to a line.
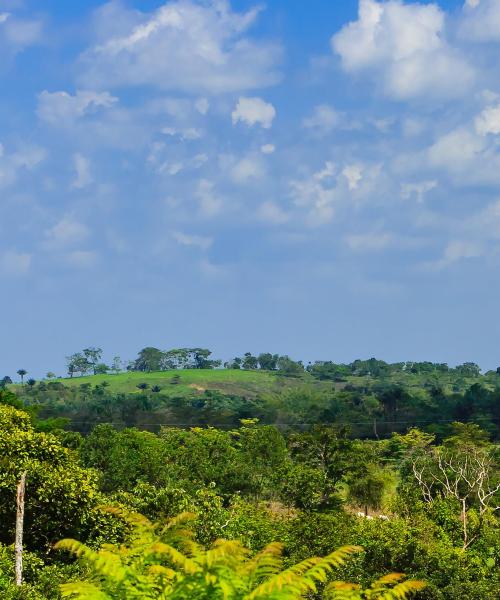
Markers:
193,381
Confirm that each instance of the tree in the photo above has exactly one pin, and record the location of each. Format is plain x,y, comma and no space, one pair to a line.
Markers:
249,362
5,381
268,361
93,356
465,469
289,367
116,365
78,363
50,375
149,359
142,386
22,373
60,494
101,369
31,382
156,389
368,490
170,564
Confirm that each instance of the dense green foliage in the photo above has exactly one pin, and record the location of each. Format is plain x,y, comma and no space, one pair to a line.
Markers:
262,458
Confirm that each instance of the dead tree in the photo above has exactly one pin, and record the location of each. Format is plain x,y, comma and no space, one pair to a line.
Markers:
18,548
466,475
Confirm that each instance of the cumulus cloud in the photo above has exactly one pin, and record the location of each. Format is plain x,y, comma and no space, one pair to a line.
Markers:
353,174
62,108
417,190
323,120
488,121
16,34
404,46
202,105
12,164
83,175
272,213
367,242
249,167
198,241
254,111
188,133
81,259
210,203
317,194
481,21
183,45
16,263
68,231
457,250
268,148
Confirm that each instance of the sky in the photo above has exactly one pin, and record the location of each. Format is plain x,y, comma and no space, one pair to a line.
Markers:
319,179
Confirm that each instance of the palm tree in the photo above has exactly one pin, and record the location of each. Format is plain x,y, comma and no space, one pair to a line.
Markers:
22,373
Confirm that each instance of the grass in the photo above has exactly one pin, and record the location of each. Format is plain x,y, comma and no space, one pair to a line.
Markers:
193,381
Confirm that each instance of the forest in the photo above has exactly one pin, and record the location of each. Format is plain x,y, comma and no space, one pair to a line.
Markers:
179,476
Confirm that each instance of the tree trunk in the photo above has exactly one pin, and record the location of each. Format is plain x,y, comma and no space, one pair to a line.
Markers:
18,548
366,510
464,521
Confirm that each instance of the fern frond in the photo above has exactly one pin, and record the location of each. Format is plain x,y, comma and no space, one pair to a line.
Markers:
320,571
187,564
403,590
82,590
266,563
230,551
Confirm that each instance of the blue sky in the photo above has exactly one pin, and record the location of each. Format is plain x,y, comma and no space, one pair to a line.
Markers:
314,178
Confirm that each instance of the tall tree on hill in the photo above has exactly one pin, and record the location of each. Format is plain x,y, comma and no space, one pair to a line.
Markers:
22,373
93,356
149,359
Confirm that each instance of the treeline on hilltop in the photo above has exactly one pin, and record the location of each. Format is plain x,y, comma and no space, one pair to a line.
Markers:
151,359
417,504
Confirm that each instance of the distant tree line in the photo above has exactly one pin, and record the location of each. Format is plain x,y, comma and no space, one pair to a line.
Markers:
150,359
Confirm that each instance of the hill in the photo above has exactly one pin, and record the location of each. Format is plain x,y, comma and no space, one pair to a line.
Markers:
370,405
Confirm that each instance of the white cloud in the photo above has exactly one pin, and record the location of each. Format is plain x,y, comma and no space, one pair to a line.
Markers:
456,150
83,174
317,194
210,203
183,45
67,231
269,212
63,108
253,111
457,250
481,22
247,168
16,33
267,148
171,168
417,189
404,46
16,263
353,174
82,259
25,158
488,121
189,133
202,105
367,242
186,239
323,120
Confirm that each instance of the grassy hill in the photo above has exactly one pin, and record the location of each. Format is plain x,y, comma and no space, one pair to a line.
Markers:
191,382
